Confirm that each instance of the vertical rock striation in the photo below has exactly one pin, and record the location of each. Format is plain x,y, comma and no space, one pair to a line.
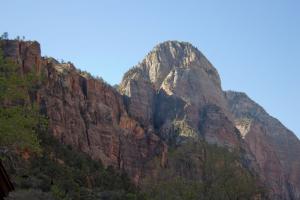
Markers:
26,54
86,113
173,94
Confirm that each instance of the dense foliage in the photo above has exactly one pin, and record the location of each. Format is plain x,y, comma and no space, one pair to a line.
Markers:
200,171
18,115
67,174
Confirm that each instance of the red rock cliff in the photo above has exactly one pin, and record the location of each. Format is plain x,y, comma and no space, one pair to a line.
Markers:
175,86
87,113
276,149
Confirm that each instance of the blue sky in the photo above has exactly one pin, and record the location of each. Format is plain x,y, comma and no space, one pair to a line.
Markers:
255,45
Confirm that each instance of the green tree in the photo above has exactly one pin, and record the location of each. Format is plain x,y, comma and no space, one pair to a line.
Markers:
4,36
200,171
19,117
53,170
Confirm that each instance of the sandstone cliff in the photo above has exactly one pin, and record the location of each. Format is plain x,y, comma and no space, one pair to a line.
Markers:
173,94
176,83
87,113
276,149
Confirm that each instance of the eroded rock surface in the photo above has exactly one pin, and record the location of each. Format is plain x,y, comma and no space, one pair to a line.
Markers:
174,83
276,149
26,54
88,114
173,94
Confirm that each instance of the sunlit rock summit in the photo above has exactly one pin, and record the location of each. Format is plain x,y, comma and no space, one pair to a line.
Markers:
173,83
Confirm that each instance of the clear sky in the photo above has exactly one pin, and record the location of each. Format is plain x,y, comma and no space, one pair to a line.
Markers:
254,44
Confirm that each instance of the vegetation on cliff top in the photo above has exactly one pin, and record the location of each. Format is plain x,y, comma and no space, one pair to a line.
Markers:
40,167
19,117
43,168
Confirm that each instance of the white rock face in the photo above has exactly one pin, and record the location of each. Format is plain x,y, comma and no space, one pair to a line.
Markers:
177,69
171,55
243,125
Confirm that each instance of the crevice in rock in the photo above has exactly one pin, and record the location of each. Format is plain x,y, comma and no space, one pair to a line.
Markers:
86,123
120,163
126,100
83,86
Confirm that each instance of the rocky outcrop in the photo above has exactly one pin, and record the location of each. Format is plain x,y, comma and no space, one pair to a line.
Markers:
174,83
87,113
185,92
217,128
173,94
90,115
26,54
139,97
276,149
176,92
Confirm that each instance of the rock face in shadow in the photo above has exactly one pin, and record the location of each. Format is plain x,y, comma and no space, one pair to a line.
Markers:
173,94
276,149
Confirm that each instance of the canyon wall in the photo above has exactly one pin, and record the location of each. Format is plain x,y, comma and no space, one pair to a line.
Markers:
174,88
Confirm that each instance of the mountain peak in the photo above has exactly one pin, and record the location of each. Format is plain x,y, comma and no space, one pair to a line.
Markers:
174,44
176,69
175,53
173,95
170,56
